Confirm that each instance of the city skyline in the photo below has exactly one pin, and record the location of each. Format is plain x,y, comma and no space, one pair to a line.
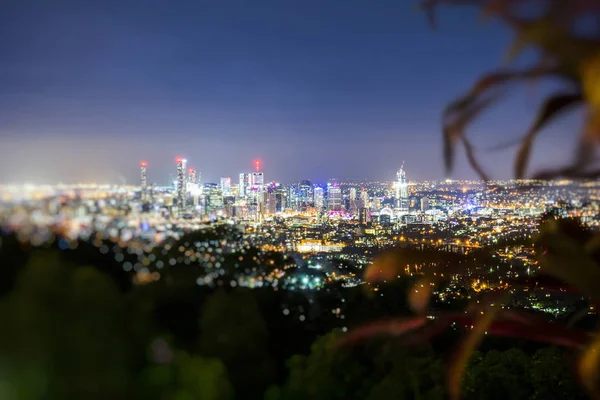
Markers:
318,90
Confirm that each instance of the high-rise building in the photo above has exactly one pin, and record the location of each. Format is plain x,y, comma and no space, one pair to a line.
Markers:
181,184
143,179
213,196
353,203
305,195
319,198
292,197
401,190
363,216
271,203
257,184
334,198
243,186
364,199
191,179
257,179
425,205
226,186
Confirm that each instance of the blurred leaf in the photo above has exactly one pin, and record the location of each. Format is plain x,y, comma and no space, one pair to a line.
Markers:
419,296
429,7
473,161
593,244
588,367
551,108
459,114
526,326
567,260
385,267
389,327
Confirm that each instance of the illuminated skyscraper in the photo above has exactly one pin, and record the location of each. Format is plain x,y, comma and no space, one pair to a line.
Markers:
319,198
292,197
364,199
257,184
243,187
353,205
226,186
401,190
334,198
213,196
191,179
181,184
424,204
363,216
257,179
271,203
305,195
143,180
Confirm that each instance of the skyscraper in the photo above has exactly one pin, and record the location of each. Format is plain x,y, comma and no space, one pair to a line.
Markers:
353,205
334,198
424,204
213,196
257,179
143,180
305,195
242,188
271,203
401,190
364,199
319,198
363,216
181,184
226,186
191,179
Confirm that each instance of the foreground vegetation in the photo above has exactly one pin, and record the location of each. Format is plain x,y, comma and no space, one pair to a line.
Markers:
75,327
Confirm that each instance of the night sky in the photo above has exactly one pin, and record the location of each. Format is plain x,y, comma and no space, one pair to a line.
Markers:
314,88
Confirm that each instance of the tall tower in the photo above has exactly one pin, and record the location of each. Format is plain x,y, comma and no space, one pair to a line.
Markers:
334,198
143,180
181,184
305,195
364,199
243,185
319,198
226,186
401,190
191,178
353,199
257,183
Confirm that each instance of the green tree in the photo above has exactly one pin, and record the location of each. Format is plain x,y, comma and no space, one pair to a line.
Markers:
64,334
499,376
233,330
551,378
180,376
375,371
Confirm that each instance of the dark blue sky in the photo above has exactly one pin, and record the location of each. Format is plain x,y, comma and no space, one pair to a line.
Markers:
314,88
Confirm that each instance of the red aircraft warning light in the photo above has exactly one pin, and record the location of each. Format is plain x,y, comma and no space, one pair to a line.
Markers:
143,163
257,163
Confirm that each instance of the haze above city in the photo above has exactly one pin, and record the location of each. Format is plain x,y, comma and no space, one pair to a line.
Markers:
314,89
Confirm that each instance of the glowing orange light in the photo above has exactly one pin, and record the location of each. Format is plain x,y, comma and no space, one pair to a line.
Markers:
178,159
143,163
257,163
191,171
